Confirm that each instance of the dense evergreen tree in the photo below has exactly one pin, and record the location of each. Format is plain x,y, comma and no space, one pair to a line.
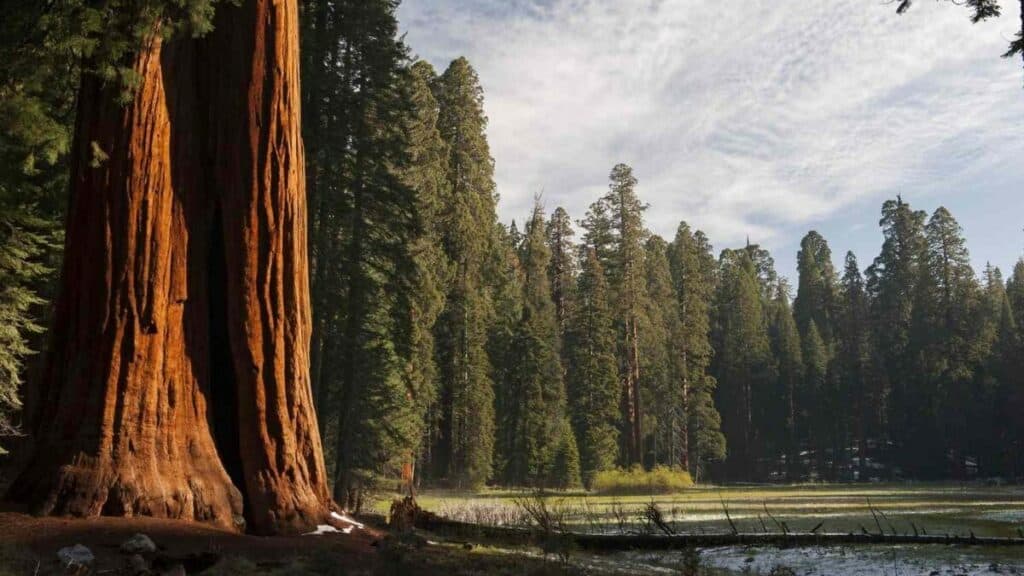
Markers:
465,443
375,180
1015,291
562,271
992,437
945,340
853,361
565,467
816,303
693,270
506,281
42,51
422,295
764,271
614,228
598,233
23,242
892,285
660,363
813,394
816,292
743,362
593,382
532,417
788,398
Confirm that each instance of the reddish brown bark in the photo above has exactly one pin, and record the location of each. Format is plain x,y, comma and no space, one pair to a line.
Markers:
258,171
178,381
122,423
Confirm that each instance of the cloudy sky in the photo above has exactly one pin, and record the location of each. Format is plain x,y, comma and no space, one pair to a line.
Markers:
759,118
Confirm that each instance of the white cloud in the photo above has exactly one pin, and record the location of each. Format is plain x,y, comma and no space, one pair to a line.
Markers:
742,117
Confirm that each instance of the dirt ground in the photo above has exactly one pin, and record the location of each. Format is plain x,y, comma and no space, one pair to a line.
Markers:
29,545
40,538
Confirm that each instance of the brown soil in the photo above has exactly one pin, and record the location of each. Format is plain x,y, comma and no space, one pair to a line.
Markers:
29,545
28,540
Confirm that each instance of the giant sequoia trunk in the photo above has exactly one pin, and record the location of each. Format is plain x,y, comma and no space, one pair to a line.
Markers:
178,382
258,173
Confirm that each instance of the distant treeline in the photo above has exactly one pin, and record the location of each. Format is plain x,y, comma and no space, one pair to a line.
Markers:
457,350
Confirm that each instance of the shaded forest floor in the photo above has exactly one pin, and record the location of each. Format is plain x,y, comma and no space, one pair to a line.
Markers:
29,545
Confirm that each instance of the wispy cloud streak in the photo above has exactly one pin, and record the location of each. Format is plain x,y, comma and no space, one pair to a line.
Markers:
750,117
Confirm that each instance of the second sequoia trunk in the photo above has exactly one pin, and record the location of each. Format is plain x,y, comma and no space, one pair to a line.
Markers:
257,172
178,382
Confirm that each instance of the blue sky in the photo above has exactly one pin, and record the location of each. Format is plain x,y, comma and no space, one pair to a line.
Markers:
759,118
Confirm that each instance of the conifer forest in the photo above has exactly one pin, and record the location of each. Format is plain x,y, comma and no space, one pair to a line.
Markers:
254,275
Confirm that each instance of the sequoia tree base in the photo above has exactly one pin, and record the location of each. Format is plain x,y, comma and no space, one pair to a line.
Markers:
177,380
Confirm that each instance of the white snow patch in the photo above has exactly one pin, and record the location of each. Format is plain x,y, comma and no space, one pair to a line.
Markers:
323,529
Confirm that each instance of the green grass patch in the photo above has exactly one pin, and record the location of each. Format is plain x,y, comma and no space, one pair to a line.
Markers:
636,480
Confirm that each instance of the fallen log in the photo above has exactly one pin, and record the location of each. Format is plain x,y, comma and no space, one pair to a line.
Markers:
622,542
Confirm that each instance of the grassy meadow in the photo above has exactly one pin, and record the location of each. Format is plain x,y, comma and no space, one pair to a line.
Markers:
941,508
931,508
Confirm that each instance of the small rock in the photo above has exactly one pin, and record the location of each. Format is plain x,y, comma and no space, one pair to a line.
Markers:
137,565
76,555
138,544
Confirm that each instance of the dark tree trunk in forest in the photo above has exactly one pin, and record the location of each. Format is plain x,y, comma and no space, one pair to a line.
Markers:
316,51
177,382
684,430
631,416
638,437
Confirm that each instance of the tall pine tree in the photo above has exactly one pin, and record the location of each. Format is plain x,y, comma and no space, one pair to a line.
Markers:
815,303
465,445
743,363
593,383
615,229
693,279
562,271
787,407
533,416
662,387
366,223
944,341
421,296
853,359
891,284
1015,292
